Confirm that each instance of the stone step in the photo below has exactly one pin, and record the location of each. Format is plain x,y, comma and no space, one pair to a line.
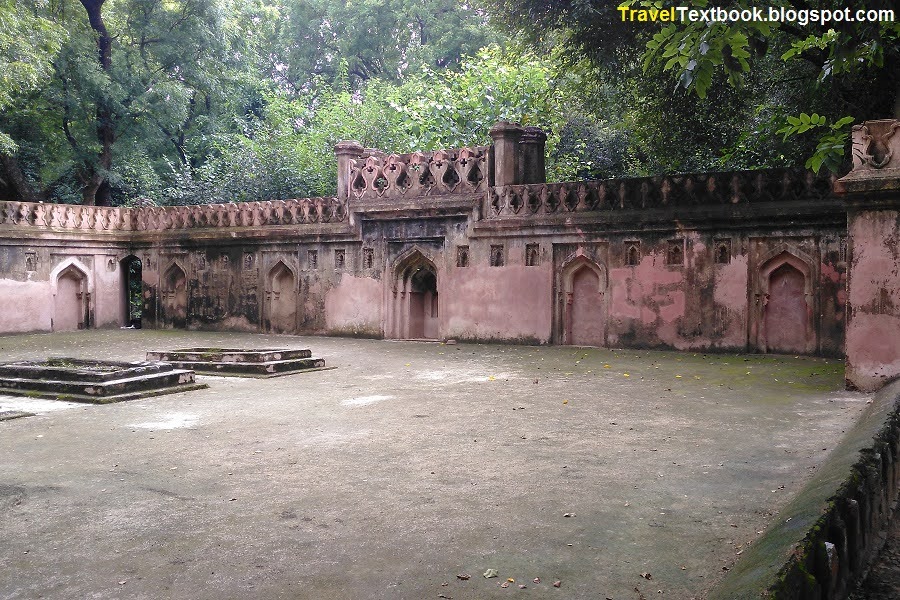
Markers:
228,355
272,368
172,378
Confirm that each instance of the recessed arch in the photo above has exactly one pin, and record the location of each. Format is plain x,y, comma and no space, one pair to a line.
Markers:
174,296
71,262
71,285
281,298
414,297
583,309
786,310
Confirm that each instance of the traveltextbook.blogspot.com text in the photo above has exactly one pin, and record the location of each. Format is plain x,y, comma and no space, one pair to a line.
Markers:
759,14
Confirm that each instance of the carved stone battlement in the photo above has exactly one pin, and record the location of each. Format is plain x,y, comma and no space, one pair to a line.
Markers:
378,175
101,218
243,214
66,216
769,185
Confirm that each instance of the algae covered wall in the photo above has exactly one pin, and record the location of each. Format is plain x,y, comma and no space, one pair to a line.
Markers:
706,271
826,537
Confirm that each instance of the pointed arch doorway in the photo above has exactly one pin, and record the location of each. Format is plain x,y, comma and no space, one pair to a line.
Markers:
415,304
174,297
583,307
281,299
786,311
71,287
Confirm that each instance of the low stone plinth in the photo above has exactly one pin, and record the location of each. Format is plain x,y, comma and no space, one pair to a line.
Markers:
94,381
235,362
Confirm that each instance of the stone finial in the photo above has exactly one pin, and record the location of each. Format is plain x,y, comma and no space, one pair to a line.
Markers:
506,138
876,158
532,163
345,151
351,147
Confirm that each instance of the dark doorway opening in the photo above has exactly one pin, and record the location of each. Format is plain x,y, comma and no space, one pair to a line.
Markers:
133,290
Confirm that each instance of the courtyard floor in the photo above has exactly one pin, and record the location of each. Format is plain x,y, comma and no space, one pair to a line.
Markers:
409,467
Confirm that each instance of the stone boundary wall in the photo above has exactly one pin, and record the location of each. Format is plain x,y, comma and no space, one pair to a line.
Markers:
828,536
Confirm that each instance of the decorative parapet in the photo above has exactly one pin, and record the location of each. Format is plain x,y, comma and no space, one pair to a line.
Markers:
876,158
242,214
102,218
770,185
443,172
65,216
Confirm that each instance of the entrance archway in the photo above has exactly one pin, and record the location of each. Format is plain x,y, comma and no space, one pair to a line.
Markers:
281,299
415,299
423,306
132,291
174,297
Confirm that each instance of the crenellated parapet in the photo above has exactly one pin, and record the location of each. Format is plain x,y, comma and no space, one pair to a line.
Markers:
769,185
158,218
65,216
376,175
244,214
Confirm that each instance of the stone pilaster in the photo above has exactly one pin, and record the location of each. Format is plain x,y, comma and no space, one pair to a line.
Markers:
872,193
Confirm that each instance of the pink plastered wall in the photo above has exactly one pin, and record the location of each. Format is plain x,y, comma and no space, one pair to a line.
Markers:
511,303
109,294
647,301
730,296
354,306
873,330
25,306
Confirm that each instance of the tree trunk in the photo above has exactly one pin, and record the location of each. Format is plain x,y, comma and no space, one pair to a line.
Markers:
95,175
19,183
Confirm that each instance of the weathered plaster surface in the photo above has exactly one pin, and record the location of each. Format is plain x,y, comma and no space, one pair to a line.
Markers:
354,306
647,302
873,331
499,303
25,306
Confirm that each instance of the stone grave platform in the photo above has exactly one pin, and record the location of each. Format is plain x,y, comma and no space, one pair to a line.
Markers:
93,381
237,362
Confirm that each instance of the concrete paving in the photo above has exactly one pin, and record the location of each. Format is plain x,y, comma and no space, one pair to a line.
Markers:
619,474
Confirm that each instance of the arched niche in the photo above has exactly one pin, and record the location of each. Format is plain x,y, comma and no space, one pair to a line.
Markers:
786,305
71,285
281,299
583,309
173,296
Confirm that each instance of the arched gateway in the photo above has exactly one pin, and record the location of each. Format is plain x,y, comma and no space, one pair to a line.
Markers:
414,299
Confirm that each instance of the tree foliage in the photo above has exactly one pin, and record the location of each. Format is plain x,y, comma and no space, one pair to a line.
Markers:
28,44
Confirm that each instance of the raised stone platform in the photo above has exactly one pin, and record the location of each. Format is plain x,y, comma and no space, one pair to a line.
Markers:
94,381
236,362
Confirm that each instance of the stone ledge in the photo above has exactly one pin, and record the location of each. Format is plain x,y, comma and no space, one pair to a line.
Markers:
828,535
